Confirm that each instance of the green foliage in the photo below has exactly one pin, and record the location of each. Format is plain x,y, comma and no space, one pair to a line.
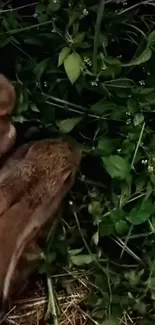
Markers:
116,166
73,66
86,69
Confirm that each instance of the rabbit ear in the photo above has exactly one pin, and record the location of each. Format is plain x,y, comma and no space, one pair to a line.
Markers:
7,96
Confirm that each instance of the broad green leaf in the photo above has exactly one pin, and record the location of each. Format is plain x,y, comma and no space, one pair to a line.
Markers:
34,108
122,227
95,238
106,146
143,91
107,227
149,190
111,71
121,83
111,60
63,55
40,68
117,215
132,105
138,119
81,259
73,65
68,125
22,101
140,213
116,166
73,252
54,5
78,39
151,39
125,192
19,119
150,98
142,58
103,106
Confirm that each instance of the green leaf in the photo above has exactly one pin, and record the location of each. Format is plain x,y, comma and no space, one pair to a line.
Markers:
54,5
40,68
63,55
103,106
151,39
73,65
138,119
140,213
81,259
142,58
106,146
78,39
68,125
73,252
122,227
95,238
107,227
111,60
116,166
19,119
22,101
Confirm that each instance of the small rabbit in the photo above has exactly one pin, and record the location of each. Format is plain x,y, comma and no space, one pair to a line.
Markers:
33,184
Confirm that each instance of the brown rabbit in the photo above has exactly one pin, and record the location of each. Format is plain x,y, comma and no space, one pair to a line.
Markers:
33,183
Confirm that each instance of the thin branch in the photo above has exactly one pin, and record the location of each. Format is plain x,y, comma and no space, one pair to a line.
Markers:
18,8
134,6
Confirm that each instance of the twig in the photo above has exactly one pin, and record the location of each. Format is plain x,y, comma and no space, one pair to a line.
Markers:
18,8
52,302
134,6
127,249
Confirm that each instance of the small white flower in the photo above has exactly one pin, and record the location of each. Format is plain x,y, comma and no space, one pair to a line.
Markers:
142,82
85,12
150,169
128,121
94,83
144,161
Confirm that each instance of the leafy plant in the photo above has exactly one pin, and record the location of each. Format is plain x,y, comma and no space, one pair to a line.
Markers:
86,69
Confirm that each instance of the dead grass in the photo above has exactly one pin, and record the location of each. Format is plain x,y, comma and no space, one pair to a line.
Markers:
36,308
32,310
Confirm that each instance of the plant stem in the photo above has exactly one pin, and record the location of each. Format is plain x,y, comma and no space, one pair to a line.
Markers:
52,301
138,144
